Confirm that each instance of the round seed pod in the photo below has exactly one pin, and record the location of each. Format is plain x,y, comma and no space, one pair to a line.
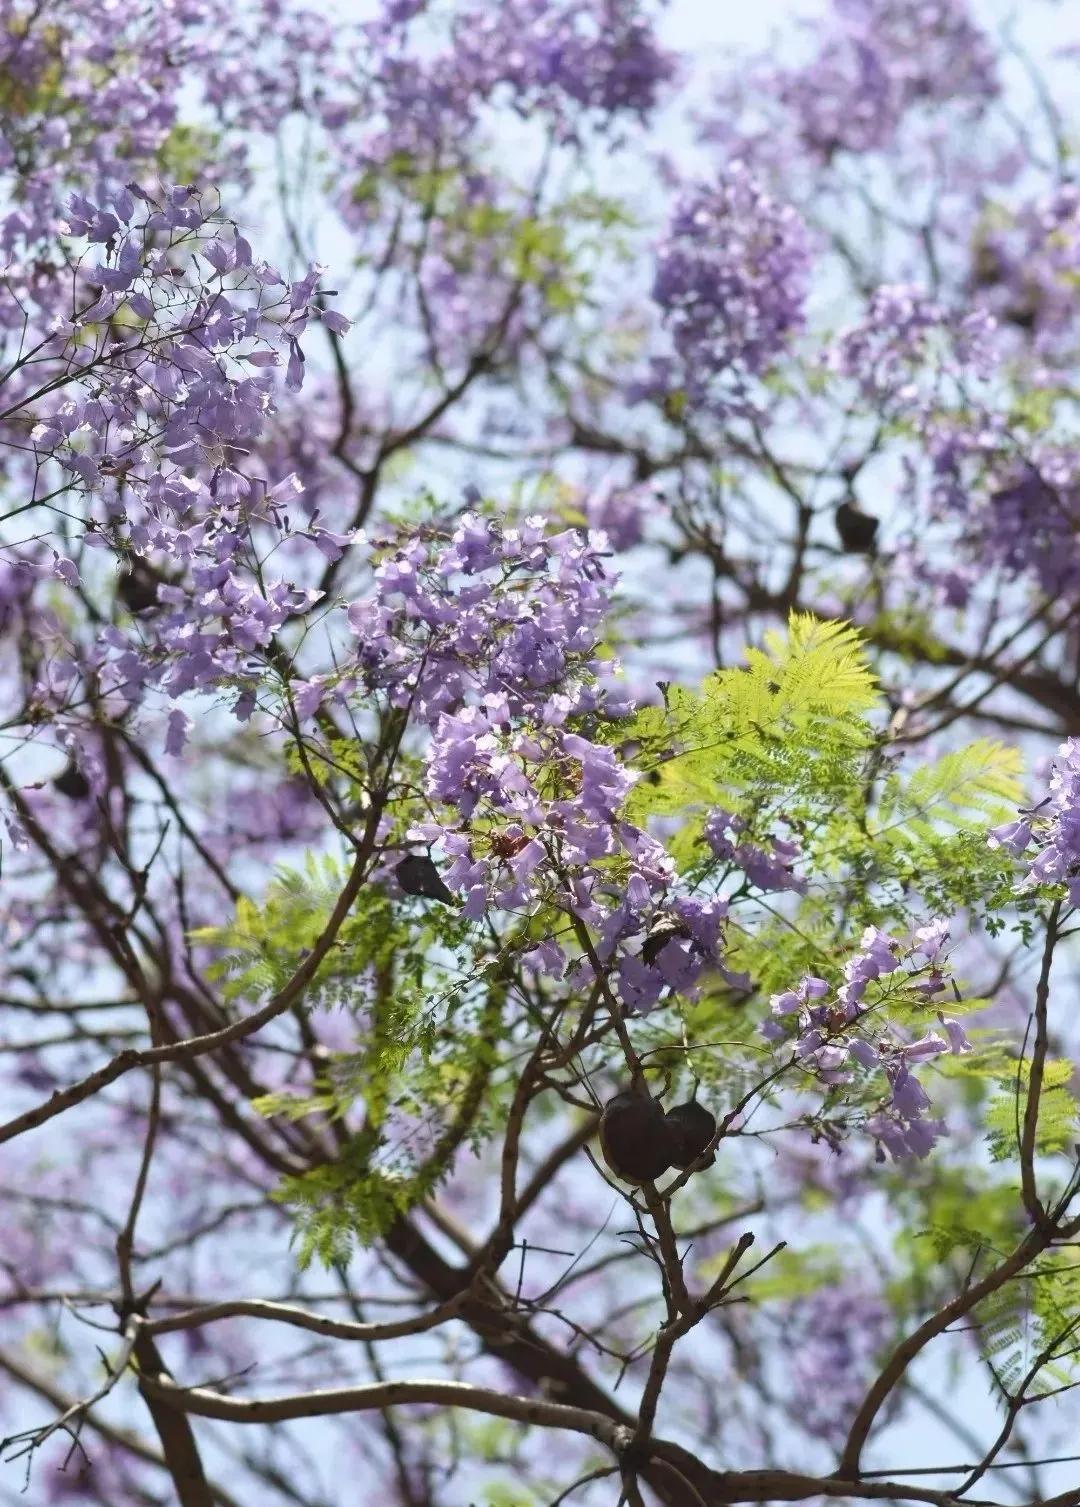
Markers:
417,875
664,930
72,783
138,586
857,530
636,1138
694,1127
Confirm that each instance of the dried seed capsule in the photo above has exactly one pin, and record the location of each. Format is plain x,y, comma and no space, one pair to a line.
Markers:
694,1128
138,586
72,783
857,530
635,1137
417,875
664,930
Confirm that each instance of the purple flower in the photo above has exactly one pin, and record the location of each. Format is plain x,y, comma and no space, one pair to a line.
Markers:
909,1099
878,953
880,61
958,1042
680,965
794,1000
927,1046
903,1138
825,1042
863,1052
1054,827
731,280
622,513
179,726
1015,836
639,985
766,869
718,824
65,570
604,783
929,940
294,374
546,957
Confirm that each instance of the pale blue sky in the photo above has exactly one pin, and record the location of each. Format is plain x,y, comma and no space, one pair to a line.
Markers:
726,23
702,26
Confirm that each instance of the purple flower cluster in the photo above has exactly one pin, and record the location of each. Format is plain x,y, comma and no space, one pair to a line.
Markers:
94,104
676,938
833,1339
419,184
552,57
731,280
497,618
907,343
1031,524
208,631
1017,513
622,513
1053,826
1025,269
885,58
147,397
428,90
489,638
167,352
468,275
563,56
766,869
1021,515
833,1031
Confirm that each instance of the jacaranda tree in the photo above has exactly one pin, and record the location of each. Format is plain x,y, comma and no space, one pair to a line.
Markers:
539,635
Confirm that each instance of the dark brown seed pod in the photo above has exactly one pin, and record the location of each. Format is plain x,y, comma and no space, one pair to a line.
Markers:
72,783
138,586
417,875
1024,314
694,1128
664,930
635,1137
857,530
508,845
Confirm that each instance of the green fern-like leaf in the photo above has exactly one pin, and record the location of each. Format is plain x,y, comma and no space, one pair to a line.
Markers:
1057,1125
978,783
794,719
